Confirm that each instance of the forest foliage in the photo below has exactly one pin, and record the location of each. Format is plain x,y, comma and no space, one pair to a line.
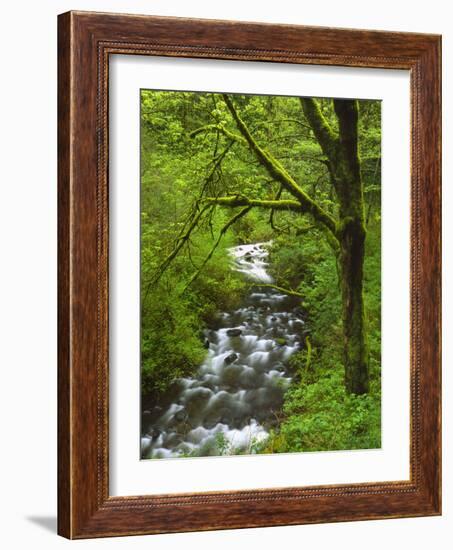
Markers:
187,153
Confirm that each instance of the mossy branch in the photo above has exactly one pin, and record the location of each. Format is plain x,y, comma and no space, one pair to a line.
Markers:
324,133
218,128
241,200
278,172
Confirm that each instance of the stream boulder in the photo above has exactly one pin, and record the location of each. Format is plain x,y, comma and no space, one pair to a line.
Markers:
231,358
234,332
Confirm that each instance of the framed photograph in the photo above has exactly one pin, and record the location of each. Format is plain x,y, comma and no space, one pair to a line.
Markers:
249,275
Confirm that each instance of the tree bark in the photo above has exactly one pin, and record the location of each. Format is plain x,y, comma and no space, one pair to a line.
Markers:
344,167
355,346
352,236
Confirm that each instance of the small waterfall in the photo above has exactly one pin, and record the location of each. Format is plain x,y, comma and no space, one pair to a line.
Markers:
229,405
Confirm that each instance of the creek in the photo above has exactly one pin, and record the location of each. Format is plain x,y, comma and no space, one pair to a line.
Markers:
234,399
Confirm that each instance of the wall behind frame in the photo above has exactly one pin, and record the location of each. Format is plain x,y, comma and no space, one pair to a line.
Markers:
28,270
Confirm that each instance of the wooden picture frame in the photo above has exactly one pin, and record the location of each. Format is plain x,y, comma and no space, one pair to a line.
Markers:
85,42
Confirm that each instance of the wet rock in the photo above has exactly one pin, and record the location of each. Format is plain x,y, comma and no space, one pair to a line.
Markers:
195,398
281,341
231,374
155,433
146,446
206,344
197,435
250,379
231,358
279,367
210,421
212,336
216,415
210,381
298,312
181,415
234,332
173,440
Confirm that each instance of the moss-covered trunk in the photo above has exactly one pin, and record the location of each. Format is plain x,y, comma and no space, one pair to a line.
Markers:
352,236
355,347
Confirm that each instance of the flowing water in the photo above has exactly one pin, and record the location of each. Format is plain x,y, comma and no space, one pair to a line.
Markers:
233,400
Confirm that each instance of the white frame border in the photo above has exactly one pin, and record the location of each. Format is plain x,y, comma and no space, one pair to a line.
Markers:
128,474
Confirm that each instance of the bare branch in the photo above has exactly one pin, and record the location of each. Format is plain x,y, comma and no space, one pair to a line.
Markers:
224,229
179,244
216,166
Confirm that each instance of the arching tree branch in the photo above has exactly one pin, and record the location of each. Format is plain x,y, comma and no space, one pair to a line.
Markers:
278,173
241,200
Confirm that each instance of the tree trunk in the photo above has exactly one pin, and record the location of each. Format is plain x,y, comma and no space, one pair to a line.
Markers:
352,235
355,348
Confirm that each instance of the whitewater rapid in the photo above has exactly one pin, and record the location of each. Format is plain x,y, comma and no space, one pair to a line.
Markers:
230,404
